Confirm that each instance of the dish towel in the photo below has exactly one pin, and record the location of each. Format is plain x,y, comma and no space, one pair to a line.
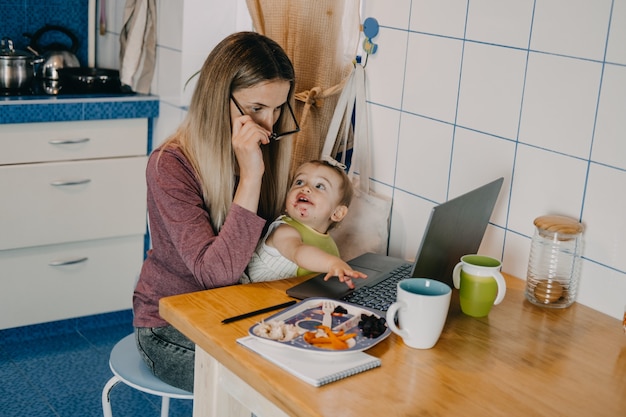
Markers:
138,45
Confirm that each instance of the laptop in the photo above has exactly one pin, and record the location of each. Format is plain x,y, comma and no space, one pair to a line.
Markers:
455,228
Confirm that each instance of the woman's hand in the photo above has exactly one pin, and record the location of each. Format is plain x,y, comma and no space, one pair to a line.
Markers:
247,139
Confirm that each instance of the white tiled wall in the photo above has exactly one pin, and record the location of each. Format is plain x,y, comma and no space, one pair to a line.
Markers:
462,92
532,90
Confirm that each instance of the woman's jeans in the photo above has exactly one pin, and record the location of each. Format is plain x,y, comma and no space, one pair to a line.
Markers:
168,353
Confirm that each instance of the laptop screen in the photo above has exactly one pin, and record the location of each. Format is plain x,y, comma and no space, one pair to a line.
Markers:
455,228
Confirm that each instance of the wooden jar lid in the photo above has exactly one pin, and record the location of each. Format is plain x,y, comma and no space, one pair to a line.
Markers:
559,224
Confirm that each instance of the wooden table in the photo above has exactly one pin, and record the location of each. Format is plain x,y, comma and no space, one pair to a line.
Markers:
521,360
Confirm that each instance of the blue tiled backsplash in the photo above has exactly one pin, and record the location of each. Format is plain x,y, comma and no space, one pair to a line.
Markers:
27,16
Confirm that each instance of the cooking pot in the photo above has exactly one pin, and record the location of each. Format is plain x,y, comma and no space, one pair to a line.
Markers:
56,55
16,67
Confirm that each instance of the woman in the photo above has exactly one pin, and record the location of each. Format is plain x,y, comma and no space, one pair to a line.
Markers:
211,187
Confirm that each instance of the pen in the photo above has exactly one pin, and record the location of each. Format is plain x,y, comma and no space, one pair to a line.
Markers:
261,311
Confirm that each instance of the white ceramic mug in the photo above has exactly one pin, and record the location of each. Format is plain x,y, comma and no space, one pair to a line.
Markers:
480,284
421,310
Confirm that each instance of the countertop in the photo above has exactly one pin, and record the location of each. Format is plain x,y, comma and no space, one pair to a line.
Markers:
49,108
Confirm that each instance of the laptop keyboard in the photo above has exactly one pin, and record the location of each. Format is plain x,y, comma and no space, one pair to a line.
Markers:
383,294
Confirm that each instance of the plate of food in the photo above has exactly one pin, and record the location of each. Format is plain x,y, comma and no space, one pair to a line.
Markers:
351,328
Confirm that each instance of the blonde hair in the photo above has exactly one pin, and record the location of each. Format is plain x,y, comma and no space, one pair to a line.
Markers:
240,61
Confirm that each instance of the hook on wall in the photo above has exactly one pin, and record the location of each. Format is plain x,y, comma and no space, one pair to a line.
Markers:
370,29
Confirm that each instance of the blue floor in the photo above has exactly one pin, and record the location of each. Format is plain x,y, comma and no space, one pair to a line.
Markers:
59,369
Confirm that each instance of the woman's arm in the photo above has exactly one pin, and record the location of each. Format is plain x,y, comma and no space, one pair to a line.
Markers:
181,226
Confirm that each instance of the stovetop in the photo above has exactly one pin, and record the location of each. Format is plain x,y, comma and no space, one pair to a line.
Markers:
50,89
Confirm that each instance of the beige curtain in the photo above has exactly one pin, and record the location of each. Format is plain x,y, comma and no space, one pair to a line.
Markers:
321,39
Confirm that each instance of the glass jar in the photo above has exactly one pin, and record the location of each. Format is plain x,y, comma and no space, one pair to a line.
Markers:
554,262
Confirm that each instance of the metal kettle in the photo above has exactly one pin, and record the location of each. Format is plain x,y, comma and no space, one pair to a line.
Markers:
55,55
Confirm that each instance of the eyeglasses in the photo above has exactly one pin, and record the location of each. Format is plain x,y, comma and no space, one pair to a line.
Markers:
274,135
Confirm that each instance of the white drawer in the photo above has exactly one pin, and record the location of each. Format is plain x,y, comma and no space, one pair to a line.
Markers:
34,211
34,291
62,141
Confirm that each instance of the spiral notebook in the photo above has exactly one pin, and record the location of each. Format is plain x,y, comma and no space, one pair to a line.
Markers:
314,369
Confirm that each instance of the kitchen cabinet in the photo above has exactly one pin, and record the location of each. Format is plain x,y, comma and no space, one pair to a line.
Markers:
72,219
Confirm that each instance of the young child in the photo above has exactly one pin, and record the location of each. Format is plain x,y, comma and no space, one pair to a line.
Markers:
298,243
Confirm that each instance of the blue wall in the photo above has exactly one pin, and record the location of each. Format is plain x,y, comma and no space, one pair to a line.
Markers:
27,16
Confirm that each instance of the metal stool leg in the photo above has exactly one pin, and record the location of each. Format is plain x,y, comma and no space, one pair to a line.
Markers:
106,397
165,406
